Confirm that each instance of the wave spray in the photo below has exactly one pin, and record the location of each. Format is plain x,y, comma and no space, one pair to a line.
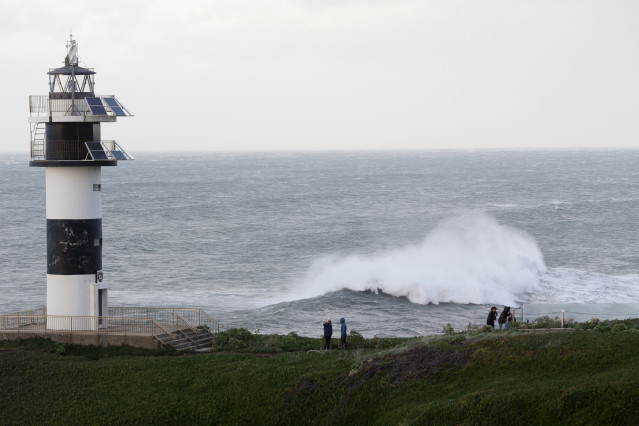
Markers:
467,259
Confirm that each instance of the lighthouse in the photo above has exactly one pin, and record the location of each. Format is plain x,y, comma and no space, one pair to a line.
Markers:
66,141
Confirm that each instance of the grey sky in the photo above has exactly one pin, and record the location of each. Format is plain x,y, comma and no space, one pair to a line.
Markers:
313,75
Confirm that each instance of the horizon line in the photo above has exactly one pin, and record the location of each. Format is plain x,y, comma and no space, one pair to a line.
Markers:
351,150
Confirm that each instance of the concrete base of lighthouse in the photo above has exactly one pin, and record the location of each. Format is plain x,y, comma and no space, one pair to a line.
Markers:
76,302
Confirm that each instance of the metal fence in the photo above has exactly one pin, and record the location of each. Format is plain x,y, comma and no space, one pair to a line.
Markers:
121,320
73,150
580,311
44,324
42,105
65,150
194,316
36,311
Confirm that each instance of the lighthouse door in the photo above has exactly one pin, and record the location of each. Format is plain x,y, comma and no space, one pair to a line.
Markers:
100,295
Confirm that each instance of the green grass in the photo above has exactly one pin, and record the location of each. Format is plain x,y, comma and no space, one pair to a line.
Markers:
584,376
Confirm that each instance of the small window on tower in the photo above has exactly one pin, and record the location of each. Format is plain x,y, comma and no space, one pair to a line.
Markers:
97,187
97,242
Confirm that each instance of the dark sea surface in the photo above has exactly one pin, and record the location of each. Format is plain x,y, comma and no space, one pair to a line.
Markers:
398,243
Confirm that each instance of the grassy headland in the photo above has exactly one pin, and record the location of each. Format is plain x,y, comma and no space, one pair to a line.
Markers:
586,375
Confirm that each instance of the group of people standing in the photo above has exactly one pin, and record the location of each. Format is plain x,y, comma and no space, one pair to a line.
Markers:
506,317
328,333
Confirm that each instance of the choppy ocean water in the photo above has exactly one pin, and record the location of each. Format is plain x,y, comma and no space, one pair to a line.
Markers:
398,243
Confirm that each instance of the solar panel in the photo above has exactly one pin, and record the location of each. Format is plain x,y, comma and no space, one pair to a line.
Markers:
111,102
118,111
115,107
96,107
119,155
96,150
99,155
94,146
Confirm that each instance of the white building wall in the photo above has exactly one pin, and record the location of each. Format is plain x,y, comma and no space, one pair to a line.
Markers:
71,295
71,194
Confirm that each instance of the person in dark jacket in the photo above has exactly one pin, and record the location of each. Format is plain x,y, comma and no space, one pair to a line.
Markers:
492,316
503,317
328,332
343,334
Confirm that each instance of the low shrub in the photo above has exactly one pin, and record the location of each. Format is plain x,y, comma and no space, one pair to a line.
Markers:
619,327
355,340
546,322
240,339
59,348
604,326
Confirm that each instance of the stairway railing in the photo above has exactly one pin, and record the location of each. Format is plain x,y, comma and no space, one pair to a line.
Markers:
181,324
37,141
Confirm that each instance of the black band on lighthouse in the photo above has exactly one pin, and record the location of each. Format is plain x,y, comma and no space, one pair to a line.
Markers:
74,246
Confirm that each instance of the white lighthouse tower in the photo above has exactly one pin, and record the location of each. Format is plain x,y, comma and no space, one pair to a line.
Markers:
65,140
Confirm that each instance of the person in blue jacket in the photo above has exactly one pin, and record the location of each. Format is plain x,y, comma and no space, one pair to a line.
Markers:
343,334
328,332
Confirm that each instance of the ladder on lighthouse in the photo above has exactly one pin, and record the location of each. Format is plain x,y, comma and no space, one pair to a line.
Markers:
37,141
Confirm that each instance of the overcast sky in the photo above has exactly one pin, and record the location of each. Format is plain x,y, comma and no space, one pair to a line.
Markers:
349,74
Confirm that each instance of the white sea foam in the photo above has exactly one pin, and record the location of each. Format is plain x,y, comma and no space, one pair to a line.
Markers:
467,259
567,285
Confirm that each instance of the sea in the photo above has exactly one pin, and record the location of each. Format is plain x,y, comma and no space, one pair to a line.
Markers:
399,243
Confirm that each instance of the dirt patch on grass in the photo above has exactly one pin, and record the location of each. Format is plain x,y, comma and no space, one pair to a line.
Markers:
416,363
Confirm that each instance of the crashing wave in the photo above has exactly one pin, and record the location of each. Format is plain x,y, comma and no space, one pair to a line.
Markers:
467,259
